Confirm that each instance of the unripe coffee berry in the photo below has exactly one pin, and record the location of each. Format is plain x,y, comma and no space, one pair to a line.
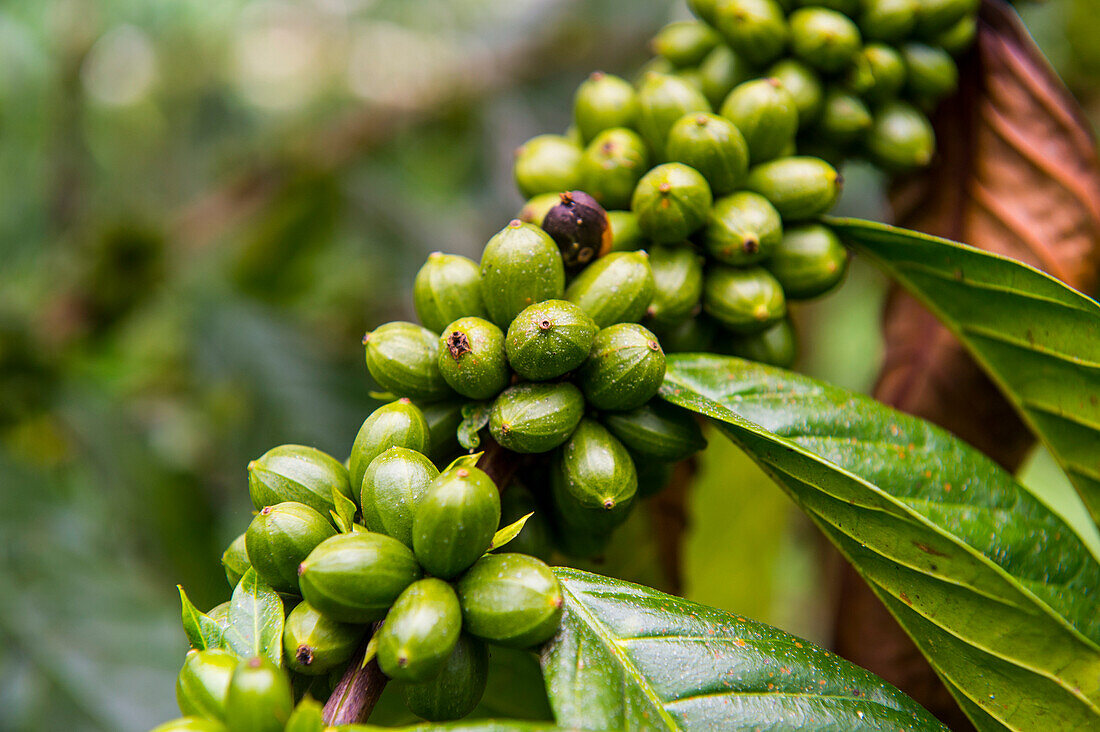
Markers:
393,485
403,358
455,521
314,644
625,368
596,483
511,600
626,235
809,261
877,73
743,300
235,560
203,682
901,138
755,29
663,99
800,187
824,39
776,346
280,537
711,145
446,288
191,724
420,631
297,473
471,358
611,166
671,202
844,118
549,339
766,114
259,698
458,687
888,20
804,87
602,102
678,283
685,43
547,164
932,73
579,226
521,265
657,430
536,417
742,229
397,424
617,288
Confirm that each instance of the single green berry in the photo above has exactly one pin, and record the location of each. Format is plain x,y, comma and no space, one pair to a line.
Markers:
711,145
191,724
511,600
684,43
547,164
259,698
720,72
420,631
203,682
936,16
845,7
625,368
776,346
671,202
596,482
536,417
235,560
549,339
932,73
704,9
402,358
958,37
617,288
471,358
455,521
458,687
612,165
743,300
579,225
877,73
604,101
901,138
657,430
354,578
742,229
534,211
626,235
809,261
844,118
663,99
393,485
397,424
446,288
804,86
766,114
280,537
824,39
678,283
297,473
799,187
521,265
888,21
313,644
755,29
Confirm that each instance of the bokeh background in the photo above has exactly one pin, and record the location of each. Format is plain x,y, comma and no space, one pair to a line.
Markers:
203,205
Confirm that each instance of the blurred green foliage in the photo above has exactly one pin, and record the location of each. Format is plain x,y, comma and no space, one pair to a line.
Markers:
202,208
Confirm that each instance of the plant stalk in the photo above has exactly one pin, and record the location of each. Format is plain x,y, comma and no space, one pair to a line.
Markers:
358,691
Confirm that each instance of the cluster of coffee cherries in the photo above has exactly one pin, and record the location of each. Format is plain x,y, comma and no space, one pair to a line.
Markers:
420,561
539,345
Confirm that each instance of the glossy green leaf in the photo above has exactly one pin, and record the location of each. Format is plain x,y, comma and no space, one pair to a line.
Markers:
996,589
1037,338
344,515
475,415
509,532
631,657
202,632
464,461
255,620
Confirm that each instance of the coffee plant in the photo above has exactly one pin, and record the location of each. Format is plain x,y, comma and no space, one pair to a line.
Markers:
642,293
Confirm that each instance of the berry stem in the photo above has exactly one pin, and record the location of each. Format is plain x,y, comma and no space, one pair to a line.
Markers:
358,691
498,463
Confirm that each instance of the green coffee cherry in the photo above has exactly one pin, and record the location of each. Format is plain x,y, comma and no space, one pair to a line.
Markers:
809,261
471,358
280,537
743,228
458,687
259,697
235,561
685,43
626,235
549,339
510,599
393,485
655,65
888,20
657,430
397,424
521,265
203,682
402,358
877,73
536,417
844,118
191,724
766,114
447,287
804,86
720,72
678,283
297,473
958,37
936,16
220,613
313,644
799,187
901,138
743,300
755,29
535,537
602,102
824,39
694,335
443,419
533,212
455,521
612,165
663,99
932,73
354,578
704,9
776,346
420,631
547,164
595,485
671,202
653,475
846,7
617,288
625,368
711,145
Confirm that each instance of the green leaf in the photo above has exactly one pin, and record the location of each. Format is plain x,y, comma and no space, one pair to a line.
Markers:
344,515
631,657
306,717
475,415
509,532
464,461
203,632
996,590
255,620
489,725
1036,337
